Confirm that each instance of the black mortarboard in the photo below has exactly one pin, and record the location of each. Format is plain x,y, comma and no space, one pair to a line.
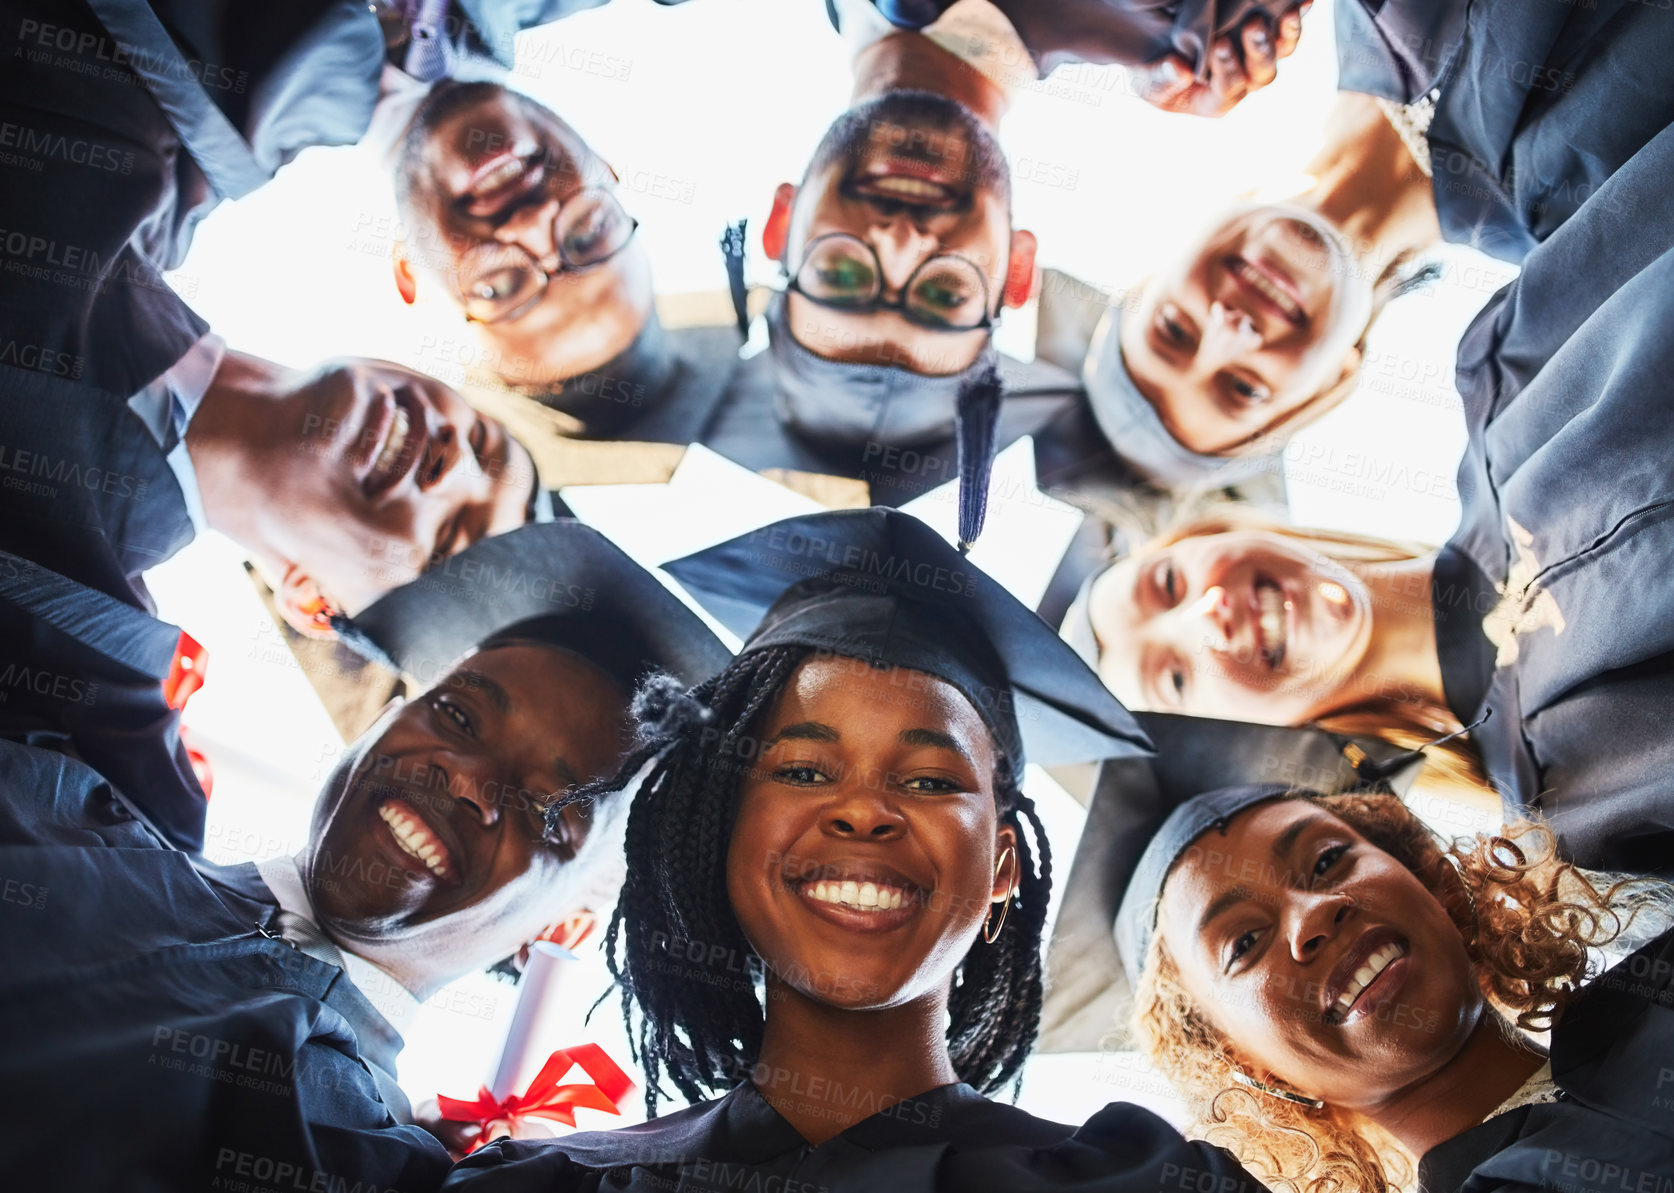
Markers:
1144,812
881,586
561,582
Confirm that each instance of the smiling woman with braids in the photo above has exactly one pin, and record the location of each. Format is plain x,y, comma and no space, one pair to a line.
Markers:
1337,992
836,890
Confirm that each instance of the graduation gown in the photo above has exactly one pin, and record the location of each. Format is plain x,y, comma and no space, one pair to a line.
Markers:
1552,601
1130,32
1612,1129
158,1034
82,673
1539,103
949,1140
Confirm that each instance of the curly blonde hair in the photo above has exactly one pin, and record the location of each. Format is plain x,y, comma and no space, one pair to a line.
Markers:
1529,922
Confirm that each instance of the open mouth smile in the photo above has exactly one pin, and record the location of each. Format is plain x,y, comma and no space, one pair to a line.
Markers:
1364,976
1272,610
861,897
1270,291
417,839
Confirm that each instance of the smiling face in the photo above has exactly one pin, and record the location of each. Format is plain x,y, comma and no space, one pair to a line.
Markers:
862,860
914,176
437,841
1248,326
1325,961
486,168
1245,626
369,471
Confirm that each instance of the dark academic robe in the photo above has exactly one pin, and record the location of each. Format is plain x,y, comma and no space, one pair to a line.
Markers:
1567,487
950,1140
1130,32
157,1033
123,123
1612,1131
82,673
1539,102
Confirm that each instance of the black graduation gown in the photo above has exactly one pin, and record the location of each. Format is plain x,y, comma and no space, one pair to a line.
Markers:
1568,499
156,1034
1539,103
82,673
1131,32
950,1140
1612,1131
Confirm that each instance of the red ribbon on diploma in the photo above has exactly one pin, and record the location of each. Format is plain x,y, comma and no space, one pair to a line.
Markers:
545,1098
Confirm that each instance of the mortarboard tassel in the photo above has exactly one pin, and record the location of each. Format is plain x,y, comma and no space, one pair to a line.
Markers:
732,251
1370,772
977,411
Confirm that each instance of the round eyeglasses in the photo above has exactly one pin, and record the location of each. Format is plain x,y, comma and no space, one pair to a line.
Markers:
499,281
945,293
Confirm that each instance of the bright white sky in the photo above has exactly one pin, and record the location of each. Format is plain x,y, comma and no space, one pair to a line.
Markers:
703,109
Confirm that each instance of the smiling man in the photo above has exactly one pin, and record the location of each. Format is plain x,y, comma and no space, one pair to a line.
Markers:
232,1021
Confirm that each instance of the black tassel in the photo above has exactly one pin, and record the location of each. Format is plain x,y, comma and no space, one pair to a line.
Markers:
977,410
732,250
1370,772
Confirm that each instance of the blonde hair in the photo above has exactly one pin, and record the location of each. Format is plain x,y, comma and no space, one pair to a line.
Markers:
1453,769
1528,922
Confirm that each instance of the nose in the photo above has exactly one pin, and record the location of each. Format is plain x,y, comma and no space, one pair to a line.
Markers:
473,782
1211,613
902,246
1314,918
1228,335
858,813
531,227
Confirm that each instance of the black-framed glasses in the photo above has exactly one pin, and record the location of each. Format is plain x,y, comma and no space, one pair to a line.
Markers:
945,293
501,281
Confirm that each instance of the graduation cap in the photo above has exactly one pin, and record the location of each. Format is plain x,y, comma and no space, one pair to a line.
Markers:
880,586
560,582
1143,814
1136,432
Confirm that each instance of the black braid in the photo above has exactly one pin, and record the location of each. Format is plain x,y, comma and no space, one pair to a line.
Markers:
689,979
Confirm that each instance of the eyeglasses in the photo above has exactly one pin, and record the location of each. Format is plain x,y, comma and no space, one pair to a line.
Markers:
945,293
501,281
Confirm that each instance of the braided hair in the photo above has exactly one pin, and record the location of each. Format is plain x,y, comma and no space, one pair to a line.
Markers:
680,959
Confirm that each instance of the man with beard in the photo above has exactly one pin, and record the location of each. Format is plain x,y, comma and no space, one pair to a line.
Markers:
215,1023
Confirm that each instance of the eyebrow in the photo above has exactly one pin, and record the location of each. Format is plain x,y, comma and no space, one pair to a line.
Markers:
1282,845
806,731
1220,904
934,739
489,687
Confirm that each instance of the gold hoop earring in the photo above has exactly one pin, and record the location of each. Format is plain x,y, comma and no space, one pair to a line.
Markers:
1005,905
1273,1091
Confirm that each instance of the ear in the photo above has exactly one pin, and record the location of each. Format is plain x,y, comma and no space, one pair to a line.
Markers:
1022,273
406,283
1007,870
302,604
776,232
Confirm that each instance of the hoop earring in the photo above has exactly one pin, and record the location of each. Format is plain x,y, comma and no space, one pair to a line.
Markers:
1243,1078
1005,906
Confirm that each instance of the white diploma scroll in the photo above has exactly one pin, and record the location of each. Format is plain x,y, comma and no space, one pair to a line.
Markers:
537,1025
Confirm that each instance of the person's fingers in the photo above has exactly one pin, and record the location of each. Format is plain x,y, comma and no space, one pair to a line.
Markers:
1290,31
1227,81
1261,59
1166,83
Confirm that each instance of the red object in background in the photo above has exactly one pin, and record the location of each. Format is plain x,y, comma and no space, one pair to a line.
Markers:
186,675
568,933
545,1098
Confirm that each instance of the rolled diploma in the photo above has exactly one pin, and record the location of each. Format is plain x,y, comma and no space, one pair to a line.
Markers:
531,1035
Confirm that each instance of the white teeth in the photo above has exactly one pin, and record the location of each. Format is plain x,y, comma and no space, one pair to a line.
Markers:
1367,973
861,896
1265,285
415,840
507,170
907,187
398,428
1271,606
